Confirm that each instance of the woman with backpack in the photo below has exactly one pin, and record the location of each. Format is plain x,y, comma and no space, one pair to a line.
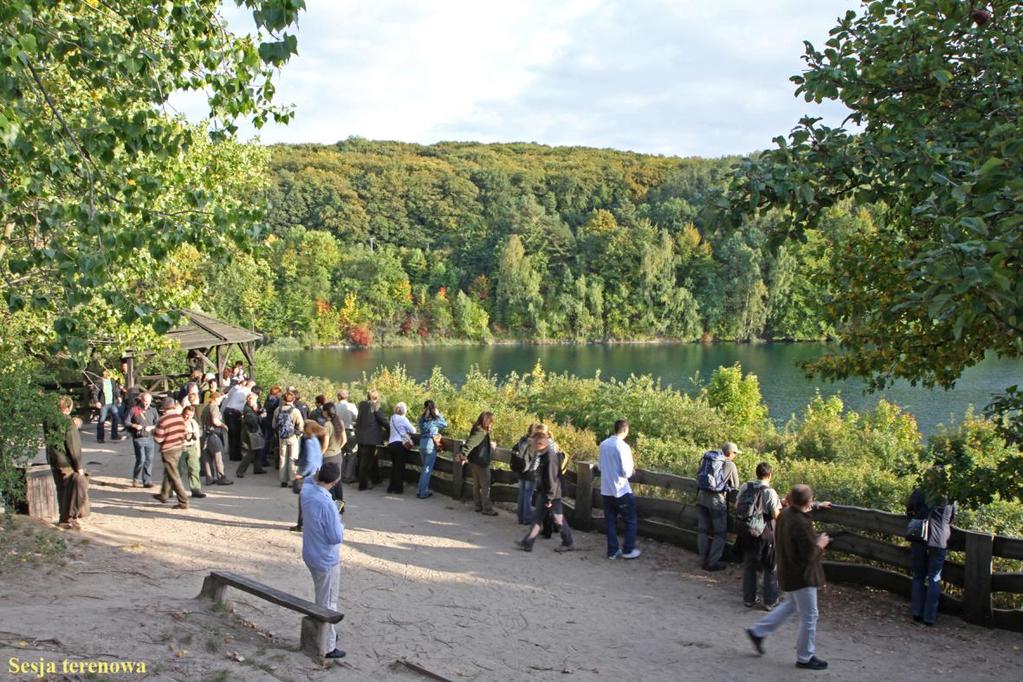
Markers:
547,464
930,527
521,461
431,422
479,450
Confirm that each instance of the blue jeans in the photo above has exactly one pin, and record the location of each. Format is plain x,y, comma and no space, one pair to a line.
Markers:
429,455
624,506
927,563
805,602
710,536
525,504
145,449
111,412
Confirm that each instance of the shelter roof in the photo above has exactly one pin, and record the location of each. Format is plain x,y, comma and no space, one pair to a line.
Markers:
203,331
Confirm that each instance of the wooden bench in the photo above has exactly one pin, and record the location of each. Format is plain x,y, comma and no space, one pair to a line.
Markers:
314,624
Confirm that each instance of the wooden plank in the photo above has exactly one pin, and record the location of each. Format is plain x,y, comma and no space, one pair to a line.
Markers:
977,587
275,596
862,519
583,501
882,579
1008,548
668,481
878,550
504,476
1007,582
1008,619
40,492
502,493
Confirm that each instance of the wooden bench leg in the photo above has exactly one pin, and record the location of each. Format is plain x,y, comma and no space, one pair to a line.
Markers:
313,632
213,590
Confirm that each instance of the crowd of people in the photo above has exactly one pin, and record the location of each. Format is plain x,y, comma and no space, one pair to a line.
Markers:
319,449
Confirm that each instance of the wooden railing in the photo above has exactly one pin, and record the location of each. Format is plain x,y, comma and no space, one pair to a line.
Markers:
865,534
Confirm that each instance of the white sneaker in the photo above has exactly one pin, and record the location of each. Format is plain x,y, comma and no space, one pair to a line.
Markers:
616,555
632,555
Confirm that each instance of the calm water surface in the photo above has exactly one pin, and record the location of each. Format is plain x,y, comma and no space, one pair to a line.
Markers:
786,389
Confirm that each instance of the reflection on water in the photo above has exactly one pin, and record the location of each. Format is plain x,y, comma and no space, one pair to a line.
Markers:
786,389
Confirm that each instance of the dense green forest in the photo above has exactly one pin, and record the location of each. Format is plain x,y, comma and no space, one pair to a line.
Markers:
380,241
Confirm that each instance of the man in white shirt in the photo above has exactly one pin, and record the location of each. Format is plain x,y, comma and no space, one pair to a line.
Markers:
616,466
234,403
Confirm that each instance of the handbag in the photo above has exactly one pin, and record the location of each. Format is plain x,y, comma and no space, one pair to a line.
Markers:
918,530
256,441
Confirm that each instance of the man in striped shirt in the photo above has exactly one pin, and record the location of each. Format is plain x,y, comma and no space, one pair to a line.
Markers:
170,436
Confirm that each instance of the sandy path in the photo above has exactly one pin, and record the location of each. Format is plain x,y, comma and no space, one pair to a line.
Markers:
433,583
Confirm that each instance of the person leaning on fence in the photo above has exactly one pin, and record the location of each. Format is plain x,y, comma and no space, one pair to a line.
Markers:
399,446
371,433
800,551
64,455
521,461
431,423
478,451
547,464
616,467
322,535
757,507
716,477
931,515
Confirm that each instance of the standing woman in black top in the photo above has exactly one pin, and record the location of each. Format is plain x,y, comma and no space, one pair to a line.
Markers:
927,554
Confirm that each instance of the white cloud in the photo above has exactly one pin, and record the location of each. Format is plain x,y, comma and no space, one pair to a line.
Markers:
673,77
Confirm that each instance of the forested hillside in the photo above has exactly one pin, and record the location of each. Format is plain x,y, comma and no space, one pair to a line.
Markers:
378,240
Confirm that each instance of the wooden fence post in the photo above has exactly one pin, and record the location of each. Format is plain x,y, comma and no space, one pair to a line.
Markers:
457,470
977,578
583,496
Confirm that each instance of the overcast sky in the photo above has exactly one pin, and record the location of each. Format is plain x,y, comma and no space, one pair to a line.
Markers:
669,77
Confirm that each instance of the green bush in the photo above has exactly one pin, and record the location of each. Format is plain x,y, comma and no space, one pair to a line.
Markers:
978,465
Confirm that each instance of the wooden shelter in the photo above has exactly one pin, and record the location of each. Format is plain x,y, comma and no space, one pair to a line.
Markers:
207,342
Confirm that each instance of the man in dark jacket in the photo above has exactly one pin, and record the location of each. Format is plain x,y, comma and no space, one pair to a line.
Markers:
547,464
106,397
65,459
370,432
799,551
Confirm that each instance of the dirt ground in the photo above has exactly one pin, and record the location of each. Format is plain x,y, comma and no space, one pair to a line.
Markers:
432,583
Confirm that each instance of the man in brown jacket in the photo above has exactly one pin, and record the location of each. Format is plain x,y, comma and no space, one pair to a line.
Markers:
799,551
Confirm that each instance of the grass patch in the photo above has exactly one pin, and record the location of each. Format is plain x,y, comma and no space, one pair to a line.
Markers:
28,543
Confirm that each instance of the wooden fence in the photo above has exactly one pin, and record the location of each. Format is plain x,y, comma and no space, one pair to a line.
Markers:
675,522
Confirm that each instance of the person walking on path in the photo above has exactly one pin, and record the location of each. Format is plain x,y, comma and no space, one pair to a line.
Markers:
547,464
314,440
401,441
800,552
170,436
371,432
716,478
348,413
322,535
189,466
142,423
106,396
929,547
288,424
478,450
251,437
64,455
431,423
616,468
757,508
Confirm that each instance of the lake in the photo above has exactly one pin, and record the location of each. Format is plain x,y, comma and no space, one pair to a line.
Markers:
785,388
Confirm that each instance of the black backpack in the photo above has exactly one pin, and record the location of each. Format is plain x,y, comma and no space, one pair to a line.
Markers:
749,509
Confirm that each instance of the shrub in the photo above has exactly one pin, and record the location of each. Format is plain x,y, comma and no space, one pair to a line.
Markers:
978,465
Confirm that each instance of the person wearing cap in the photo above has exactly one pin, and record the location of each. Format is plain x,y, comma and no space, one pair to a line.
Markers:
322,535
170,436
712,508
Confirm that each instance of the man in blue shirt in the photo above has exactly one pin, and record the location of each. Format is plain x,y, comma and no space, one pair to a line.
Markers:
616,466
322,534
